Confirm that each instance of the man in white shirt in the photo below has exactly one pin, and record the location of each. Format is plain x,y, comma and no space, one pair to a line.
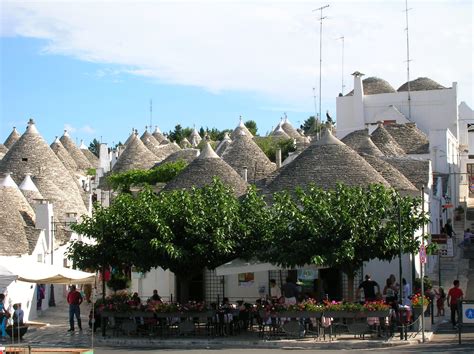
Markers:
275,291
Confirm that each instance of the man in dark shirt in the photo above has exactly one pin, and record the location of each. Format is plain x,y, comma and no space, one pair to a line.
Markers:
74,299
290,291
369,286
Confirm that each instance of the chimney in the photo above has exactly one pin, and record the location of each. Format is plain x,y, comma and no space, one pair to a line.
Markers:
278,158
245,173
104,161
44,220
358,101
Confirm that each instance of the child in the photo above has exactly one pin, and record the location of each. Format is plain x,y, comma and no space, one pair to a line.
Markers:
440,299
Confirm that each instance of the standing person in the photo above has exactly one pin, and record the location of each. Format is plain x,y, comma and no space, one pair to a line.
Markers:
74,299
4,315
440,298
368,285
406,293
290,291
155,296
39,296
454,295
18,315
275,291
449,228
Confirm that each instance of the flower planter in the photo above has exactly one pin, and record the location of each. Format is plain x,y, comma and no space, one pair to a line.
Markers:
377,313
127,314
300,314
340,314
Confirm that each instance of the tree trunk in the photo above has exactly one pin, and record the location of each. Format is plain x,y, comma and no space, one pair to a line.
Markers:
350,286
184,285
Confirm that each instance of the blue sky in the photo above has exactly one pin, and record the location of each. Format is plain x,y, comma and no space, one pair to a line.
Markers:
93,66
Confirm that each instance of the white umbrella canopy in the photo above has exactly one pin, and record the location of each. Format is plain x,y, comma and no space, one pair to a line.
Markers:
6,278
34,272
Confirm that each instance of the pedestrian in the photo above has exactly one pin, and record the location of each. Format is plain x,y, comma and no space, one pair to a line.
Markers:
467,238
74,299
448,227
290,291
368,285
454,295
275,291
4,315
440,299
18,315
155,296
39,296
406,293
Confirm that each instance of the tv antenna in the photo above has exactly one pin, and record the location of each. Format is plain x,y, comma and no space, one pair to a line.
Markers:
316,128
151,114
408,60
321,18
342,67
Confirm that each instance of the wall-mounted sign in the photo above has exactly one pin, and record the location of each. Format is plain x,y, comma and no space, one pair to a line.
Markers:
246,279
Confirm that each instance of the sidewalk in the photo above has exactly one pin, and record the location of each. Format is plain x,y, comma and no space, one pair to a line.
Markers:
54,334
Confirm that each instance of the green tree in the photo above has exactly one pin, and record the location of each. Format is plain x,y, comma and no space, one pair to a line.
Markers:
269,146
179,133
159,174
94,147
341,228
184,231
311,126
251,126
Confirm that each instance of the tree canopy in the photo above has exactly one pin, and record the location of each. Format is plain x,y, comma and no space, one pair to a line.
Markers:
94,147
251,126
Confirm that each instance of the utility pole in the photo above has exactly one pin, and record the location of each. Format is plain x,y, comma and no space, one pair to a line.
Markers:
321,18
151,114
342,66
408,60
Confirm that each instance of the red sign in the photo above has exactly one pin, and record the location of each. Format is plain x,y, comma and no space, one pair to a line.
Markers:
447,206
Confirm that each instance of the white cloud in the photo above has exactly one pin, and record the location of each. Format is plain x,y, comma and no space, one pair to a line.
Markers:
70,128
269,48
85,129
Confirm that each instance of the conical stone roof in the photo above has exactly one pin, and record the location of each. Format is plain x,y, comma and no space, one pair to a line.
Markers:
203,169
393,176
239,129
187,155
411,139
31,154
150,142
223,145
374,85
12,138
421,84
158,135
30,191
185,143
16,216
3,151
194,138
385,142
417,171
242,153
81,161
131,136
291,131
360,142
279,132
165,150
135,156
93,160
325,163
64,155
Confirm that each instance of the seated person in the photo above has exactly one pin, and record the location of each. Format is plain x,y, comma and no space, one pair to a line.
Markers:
136,299
18,315
155,296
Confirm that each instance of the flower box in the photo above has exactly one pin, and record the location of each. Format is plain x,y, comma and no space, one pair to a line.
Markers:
300,314
127,314
340,314
378,313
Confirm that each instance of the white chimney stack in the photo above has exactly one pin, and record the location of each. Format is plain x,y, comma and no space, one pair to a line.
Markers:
245,173
278,158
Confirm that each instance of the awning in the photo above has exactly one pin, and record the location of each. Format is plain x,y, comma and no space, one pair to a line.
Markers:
35,272
6,278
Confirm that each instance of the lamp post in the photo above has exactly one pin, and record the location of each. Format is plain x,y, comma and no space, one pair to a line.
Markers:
400,269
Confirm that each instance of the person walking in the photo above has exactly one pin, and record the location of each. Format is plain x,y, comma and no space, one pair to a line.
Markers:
454,295
290,291
74,299
449,228
275,291
368,285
